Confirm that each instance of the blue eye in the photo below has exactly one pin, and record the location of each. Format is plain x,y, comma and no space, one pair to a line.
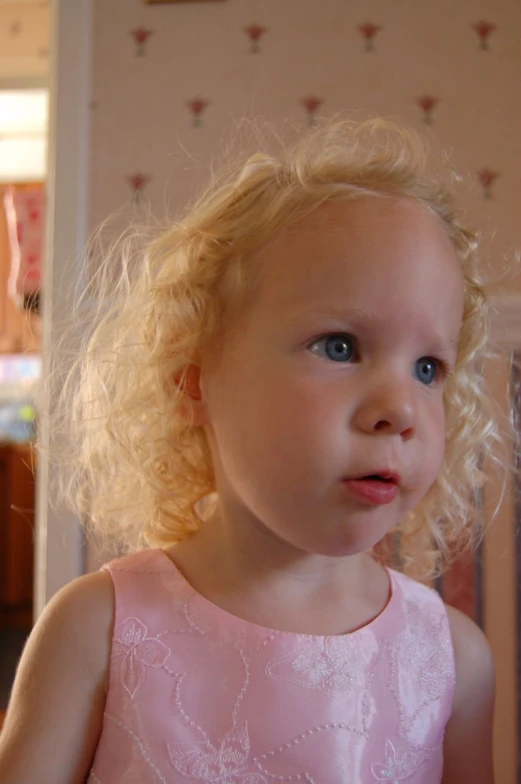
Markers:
427,370
337,348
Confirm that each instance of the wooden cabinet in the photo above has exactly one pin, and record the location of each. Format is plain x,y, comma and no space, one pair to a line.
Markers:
17,517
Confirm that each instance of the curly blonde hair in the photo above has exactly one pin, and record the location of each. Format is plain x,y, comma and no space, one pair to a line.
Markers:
132,466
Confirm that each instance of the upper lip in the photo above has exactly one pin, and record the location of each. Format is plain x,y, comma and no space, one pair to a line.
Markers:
384,473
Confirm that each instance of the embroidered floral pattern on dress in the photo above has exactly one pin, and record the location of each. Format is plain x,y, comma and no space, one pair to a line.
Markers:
425,649
396,768
237,634
225,765
422,661
136,651
331,664
199,695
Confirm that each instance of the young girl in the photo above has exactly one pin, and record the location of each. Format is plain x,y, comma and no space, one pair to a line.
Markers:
292,373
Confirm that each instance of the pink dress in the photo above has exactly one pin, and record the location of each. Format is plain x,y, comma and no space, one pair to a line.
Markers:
198,695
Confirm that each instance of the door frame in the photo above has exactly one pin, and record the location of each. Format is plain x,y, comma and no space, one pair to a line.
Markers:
59,545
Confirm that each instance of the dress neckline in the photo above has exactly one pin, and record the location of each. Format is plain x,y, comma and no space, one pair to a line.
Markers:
230,619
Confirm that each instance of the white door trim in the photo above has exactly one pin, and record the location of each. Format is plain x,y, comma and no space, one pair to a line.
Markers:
59,540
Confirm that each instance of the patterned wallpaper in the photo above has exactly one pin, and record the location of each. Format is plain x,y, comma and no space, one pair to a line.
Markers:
170,81
24,39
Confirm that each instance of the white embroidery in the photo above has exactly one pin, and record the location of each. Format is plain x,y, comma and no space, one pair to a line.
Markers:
396,768
202,753
225,765
331,664
190,722
425,649
422,665
136,651
238,635
140,745
282,750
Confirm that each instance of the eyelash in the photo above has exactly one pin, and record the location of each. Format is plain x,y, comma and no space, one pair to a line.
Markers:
443,370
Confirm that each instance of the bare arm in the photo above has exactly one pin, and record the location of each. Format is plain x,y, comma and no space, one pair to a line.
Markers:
55,715
468,737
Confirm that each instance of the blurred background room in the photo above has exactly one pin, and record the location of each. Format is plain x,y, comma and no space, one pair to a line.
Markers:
143,96
24,74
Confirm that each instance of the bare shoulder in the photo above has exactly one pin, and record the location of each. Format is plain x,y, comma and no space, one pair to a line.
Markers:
82,612
80,619
475,677
470,643
60,688
468,737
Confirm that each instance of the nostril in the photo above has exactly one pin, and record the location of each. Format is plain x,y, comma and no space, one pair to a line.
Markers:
407,433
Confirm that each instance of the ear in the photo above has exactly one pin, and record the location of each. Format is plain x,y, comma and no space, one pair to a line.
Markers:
191,402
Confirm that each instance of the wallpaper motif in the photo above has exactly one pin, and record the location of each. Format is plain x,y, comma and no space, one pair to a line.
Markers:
486,178
311,104
484,29
197,107
141,36
427,104
255,33
369,31
137,183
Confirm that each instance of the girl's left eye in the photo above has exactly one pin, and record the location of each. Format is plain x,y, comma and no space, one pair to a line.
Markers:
337,348
428,370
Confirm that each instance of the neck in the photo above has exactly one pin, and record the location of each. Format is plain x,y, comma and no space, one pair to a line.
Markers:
254,553
253,574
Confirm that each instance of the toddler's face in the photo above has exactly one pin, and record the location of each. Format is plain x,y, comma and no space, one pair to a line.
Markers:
336,374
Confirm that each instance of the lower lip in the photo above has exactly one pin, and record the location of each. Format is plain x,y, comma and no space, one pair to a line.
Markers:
372,490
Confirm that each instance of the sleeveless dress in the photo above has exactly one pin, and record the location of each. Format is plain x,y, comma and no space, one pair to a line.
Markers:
199,695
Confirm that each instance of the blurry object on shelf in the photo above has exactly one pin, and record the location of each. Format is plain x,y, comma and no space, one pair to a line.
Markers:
25,212
17,423
19,376
23,370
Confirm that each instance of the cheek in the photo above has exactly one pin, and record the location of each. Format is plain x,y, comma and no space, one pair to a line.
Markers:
437,443
275,428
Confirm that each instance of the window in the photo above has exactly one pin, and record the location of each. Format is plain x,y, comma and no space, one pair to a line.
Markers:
23,135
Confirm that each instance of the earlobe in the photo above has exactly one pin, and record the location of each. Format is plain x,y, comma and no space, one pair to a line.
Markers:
191,403
191,382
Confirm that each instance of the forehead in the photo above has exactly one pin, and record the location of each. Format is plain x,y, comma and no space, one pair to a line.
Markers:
375,252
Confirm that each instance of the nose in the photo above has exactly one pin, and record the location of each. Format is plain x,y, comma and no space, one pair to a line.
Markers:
389,409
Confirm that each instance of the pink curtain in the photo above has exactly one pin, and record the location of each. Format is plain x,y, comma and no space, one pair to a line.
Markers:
25,212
